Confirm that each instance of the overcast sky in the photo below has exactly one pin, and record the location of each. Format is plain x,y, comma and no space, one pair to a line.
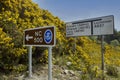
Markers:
73,10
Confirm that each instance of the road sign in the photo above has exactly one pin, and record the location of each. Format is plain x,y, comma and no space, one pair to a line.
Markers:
95,26
104,26
79,29
42,36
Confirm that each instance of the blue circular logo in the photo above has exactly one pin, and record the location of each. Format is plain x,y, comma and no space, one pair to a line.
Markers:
48,36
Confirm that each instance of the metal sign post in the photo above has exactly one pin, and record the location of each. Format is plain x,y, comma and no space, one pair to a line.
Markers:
30,61
49,63
95,26
102,56
42,37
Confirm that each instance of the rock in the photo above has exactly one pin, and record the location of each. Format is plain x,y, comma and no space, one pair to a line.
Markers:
80,72
55,79
38,73
66,71
71,72
62,68
19,78
5,77
68,63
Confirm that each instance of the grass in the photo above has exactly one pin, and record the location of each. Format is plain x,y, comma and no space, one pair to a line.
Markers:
62,60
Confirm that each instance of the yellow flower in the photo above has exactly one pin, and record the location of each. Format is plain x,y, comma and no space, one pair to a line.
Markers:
3,9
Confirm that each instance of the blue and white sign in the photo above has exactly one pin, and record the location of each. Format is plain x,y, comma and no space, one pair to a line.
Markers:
48,36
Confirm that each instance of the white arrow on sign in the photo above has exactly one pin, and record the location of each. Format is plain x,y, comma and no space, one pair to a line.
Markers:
28,37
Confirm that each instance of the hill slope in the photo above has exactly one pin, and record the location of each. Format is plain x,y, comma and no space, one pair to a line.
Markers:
18,15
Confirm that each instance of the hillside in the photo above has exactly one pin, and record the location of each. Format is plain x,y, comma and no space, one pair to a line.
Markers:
18,15
15,17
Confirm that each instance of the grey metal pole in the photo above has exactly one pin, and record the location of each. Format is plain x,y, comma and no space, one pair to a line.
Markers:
102,56
30,61
75,38
50,63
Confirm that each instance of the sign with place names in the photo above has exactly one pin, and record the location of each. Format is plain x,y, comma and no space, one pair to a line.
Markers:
104,26
79,29
95,26
42,36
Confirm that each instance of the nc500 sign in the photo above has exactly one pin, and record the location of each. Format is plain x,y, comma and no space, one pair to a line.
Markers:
42,36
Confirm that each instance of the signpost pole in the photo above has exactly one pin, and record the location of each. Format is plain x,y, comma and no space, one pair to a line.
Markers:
102,55
30,61
50,63
75,44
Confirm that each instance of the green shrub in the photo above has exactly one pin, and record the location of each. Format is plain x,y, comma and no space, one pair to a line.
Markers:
84,77
112,71
44,58
115,43
19,68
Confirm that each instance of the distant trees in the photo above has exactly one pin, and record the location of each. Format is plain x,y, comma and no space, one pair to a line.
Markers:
113,39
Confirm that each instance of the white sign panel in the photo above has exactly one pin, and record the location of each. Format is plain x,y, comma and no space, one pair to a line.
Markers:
104,26
78,29
95,26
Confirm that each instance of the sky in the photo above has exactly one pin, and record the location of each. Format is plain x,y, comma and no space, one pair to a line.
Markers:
73,10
